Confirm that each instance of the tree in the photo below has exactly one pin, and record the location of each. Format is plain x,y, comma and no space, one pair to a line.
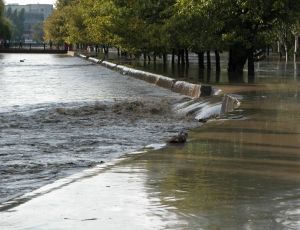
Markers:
5,26
247,24
242,27
138,25
56,26
16,19
296,33
97,21
196,26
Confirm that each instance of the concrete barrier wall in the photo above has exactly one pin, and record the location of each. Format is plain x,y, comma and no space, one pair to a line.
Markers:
182,87
228,104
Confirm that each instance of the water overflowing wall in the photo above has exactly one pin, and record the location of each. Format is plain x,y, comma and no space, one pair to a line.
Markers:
201,109
229,103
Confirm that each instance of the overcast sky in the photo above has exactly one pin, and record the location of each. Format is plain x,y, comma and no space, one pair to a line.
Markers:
24,2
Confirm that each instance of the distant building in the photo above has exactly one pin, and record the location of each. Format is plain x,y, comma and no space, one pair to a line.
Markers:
34,14
44,9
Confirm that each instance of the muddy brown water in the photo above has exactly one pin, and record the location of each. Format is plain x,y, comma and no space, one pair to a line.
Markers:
238,172
235,174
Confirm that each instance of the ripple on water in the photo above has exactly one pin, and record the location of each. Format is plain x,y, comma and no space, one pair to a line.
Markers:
42,143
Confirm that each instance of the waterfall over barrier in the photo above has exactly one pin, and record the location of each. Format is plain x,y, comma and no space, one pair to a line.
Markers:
206,108
202,109
229,103
186,88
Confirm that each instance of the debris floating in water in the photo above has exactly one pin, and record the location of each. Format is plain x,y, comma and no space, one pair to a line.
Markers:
179,138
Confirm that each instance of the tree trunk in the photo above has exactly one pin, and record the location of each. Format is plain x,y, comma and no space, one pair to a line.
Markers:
186,56
237,58
251,71
201,75
286,52
173,56
165,58
182,57
218,75
296,47
201,60
145,56
208,63
178,57
208,75
106,51
218,64
279,50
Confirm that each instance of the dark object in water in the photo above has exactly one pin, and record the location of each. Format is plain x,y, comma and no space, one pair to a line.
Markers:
179,138
22,60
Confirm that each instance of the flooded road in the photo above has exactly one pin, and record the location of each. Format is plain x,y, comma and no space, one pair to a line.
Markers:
238,172
231,174
60,114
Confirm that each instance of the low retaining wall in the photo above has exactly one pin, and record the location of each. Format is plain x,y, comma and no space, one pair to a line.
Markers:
182,87
228,104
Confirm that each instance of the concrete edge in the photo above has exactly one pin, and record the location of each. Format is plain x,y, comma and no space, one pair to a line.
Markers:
229,102
182,87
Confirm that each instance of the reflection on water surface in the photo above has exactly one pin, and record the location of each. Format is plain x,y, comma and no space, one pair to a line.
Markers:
236,174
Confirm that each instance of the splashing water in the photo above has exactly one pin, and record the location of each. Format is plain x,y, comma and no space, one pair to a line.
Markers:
76,115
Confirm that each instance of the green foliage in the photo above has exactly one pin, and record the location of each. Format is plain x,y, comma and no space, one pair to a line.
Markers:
5,29
251,22
17,21
55,26
97,20
157,26
138,25
1,8
194,25
5,25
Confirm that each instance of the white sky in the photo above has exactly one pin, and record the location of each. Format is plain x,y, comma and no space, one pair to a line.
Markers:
24,2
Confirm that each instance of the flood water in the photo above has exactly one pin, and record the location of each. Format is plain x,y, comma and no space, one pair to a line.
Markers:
271,69
60,114
238,172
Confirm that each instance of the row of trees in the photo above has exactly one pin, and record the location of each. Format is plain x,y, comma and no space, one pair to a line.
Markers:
5,26
161,27
17,19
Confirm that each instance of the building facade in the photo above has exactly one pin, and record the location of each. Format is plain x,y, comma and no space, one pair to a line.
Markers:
34,16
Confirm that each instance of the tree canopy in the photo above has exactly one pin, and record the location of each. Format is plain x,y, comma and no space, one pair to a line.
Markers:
16,19
5,25
161,26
